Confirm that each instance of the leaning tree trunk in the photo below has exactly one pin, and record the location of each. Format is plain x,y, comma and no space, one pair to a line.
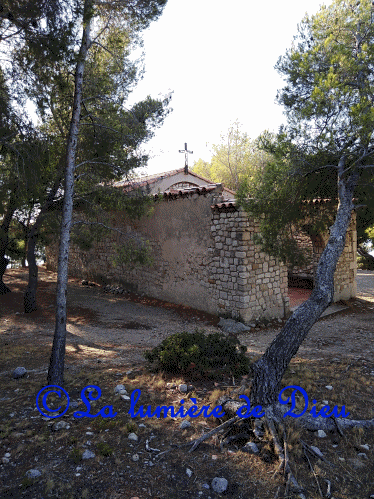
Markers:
4,238
56,366
270,369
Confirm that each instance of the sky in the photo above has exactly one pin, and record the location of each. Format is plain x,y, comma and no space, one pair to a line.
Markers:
218,58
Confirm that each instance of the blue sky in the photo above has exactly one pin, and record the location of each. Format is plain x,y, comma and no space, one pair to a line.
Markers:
217,58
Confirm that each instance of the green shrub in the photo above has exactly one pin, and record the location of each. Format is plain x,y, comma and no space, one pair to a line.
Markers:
104,449
365,263
207,355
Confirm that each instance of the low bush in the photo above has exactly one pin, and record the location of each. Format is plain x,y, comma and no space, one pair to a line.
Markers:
208,355
365,262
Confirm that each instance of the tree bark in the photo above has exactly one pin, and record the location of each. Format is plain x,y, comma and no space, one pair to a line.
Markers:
270,369
370,258
57,360
4,238
29,298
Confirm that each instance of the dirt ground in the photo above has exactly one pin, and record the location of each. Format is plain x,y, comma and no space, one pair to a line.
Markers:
119,328
107,335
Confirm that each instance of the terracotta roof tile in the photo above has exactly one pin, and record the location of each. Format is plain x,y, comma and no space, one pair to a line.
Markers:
226,204
180,193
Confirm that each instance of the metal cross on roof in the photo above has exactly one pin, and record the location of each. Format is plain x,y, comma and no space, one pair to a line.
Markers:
186,153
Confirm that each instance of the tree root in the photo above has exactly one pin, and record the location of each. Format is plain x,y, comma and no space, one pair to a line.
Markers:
306,421
284,462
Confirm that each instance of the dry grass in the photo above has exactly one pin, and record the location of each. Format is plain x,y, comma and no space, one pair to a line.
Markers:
113,473
27,436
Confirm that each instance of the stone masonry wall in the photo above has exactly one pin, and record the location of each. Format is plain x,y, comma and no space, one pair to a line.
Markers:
345,275
346,270
203,257
245,282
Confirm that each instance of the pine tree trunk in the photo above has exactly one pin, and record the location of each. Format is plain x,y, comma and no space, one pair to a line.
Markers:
29,298
270,369
3,265
4,238
56,366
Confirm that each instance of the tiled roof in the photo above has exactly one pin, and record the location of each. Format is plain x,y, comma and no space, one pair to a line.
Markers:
232,204
226,204
151,179
148,179
182,193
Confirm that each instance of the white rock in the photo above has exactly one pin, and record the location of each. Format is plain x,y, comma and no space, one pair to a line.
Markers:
133,436
7,454
5,460
328,387
184,424
364,447
189,472
325,402
321,434
219,485
19,372
362,455
33,473
120,389
135,457
125,397
88,454
183,388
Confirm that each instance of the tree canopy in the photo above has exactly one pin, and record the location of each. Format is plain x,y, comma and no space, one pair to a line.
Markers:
234,160
328,101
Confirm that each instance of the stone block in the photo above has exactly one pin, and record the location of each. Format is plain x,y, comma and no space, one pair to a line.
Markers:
240,254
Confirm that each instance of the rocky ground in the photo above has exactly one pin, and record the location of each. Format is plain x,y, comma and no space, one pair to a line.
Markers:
124,457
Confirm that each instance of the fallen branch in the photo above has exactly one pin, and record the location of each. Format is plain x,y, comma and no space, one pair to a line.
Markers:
219,428
197,442
315,454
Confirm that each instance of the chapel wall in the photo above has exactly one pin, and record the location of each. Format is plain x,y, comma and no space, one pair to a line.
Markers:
246,283
203,257
345,286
